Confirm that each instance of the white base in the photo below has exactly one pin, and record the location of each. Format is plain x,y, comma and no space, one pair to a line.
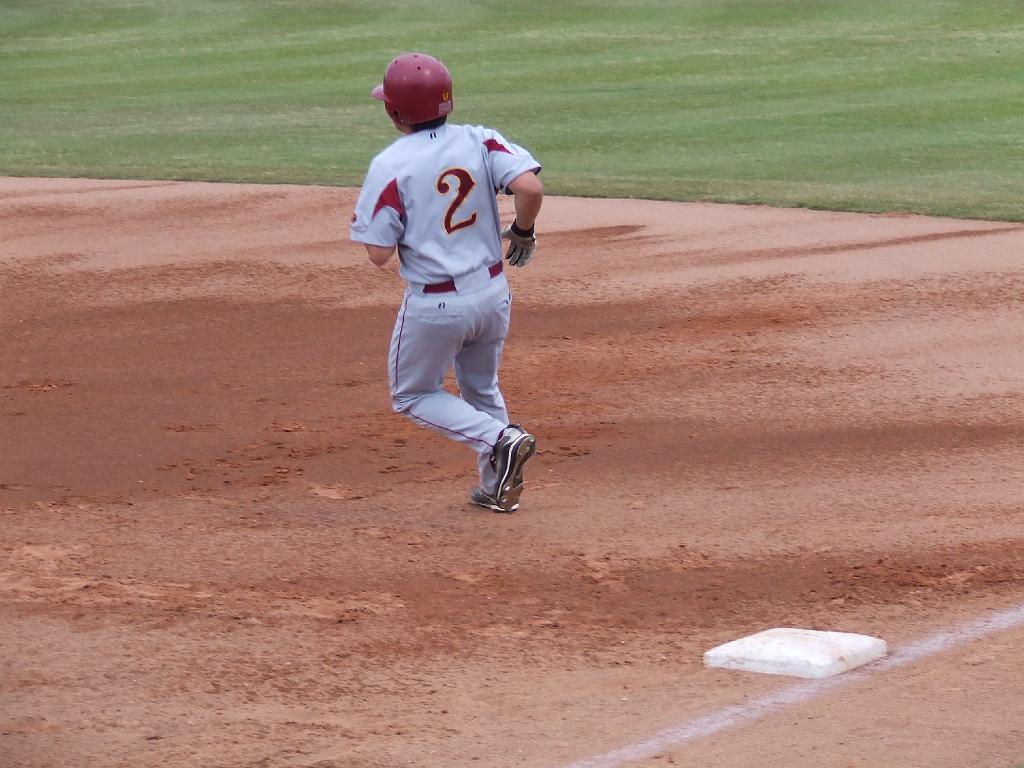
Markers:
797,652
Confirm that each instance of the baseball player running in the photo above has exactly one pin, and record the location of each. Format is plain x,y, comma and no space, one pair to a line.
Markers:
430,195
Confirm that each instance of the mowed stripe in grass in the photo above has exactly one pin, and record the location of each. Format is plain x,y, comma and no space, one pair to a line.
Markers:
854,104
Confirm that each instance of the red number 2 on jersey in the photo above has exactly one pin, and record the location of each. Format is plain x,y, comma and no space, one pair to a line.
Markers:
464,183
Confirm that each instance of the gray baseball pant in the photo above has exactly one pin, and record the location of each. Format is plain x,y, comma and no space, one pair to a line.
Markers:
465,328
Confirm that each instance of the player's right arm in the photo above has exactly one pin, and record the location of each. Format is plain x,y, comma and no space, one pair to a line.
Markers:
521,234
514,171
528,192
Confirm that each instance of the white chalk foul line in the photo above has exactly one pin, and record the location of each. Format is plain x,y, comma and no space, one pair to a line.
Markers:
740,714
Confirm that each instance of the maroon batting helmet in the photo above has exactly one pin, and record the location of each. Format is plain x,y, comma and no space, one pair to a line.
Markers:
417,88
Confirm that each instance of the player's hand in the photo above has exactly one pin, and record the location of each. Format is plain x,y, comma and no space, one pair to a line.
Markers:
521,244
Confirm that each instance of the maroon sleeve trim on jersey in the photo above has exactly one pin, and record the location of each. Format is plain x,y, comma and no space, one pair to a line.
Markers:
493,145
390,198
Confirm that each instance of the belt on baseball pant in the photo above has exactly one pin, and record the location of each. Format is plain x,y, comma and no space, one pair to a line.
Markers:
449,285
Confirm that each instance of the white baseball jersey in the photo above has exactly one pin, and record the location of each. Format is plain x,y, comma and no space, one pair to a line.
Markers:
432,193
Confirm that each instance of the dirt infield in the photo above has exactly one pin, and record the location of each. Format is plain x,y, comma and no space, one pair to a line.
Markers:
218,546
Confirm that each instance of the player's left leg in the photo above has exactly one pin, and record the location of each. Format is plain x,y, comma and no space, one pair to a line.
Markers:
428,334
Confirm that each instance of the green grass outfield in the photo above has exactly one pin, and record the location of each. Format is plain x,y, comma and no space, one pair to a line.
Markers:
861,105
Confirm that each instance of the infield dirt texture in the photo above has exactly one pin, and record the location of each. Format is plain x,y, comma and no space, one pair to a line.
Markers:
218,546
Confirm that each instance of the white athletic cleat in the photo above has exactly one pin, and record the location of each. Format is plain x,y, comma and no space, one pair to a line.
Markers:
510,453
482,498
